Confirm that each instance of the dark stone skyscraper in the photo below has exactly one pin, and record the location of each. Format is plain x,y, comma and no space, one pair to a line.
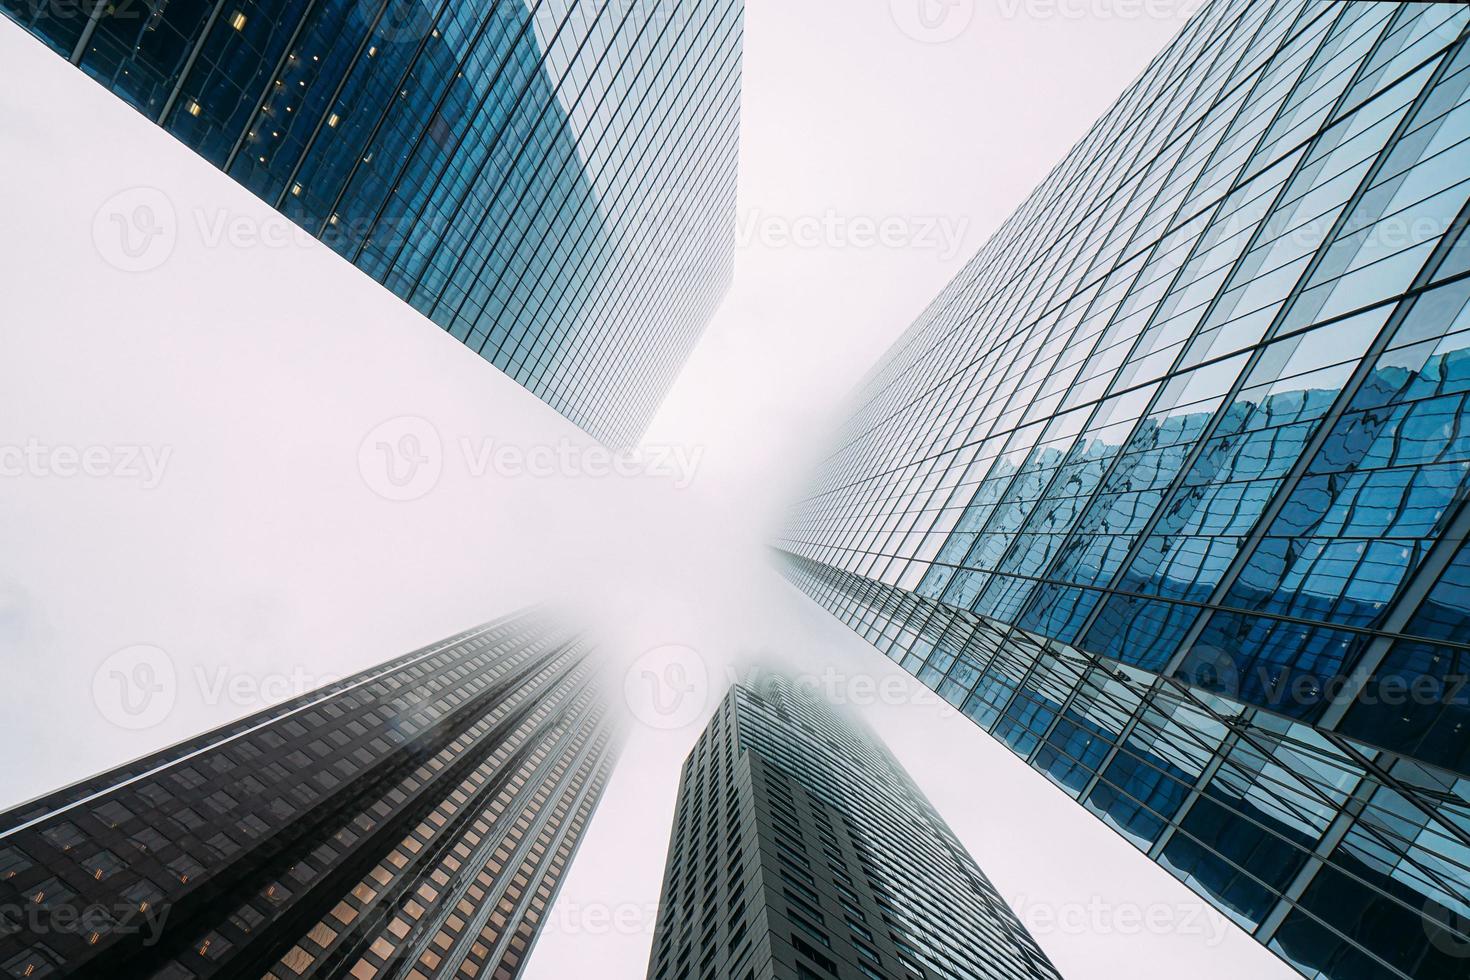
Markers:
1169,490
551,181
413,820
801,850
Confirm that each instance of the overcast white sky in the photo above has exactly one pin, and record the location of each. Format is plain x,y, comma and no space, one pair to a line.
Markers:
250,547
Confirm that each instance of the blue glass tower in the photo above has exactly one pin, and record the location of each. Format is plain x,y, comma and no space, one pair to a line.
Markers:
551,181
1167,490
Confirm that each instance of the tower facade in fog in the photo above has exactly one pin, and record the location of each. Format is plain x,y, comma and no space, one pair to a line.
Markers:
413,820
801,850
1169,489
551,181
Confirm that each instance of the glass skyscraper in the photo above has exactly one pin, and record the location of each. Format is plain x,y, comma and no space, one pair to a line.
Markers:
801,850
413,820
551,181
1167,490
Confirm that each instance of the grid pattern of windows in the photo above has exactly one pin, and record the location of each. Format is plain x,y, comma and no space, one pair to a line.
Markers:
415,819
1169,489
801,849
551,181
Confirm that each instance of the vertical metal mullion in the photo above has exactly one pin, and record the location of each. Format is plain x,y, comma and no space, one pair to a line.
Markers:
1349,391
576,721
173,96
280,201
1143,331
1403,608
1099,154
525,30
689,26
1341,823
572,160
1410,794
1239,732
1196,790
93,18
472,46
388,107
1145,702
1456,531
1256,352
1064,706
1287,36
270,81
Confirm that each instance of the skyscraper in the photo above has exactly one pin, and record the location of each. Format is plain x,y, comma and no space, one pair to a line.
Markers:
551,181
413,820
1167,490
801,850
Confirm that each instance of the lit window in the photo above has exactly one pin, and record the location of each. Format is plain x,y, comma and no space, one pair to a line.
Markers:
237,21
